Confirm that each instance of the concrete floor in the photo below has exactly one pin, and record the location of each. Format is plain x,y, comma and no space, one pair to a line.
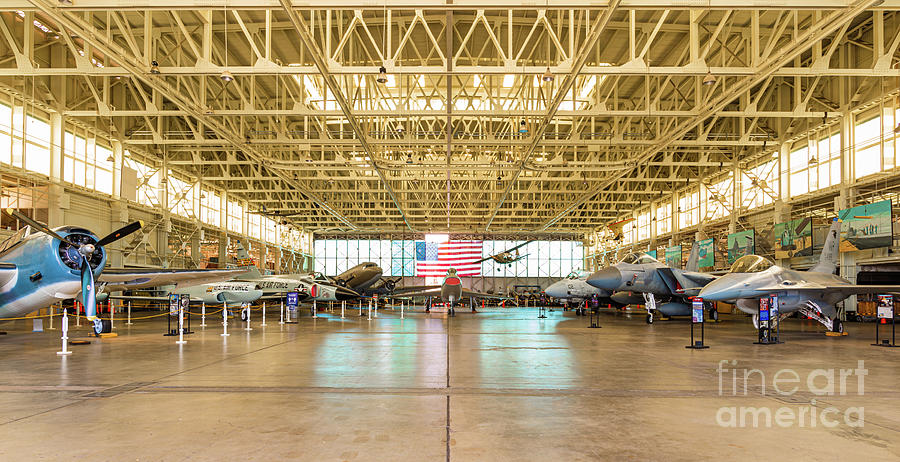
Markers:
497,385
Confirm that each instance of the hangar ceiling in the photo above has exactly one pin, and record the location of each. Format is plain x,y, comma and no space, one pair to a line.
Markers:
557,117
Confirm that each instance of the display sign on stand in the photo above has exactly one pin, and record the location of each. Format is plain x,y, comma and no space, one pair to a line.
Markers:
292,301
767,317
174,306
885,312
697,318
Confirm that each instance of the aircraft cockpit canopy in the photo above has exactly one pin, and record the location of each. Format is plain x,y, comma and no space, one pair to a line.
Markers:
638,259
751,264
15,238
575,275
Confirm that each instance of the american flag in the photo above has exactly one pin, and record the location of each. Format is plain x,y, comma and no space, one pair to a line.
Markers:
433,259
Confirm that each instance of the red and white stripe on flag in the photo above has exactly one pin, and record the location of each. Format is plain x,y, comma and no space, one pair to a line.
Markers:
460,255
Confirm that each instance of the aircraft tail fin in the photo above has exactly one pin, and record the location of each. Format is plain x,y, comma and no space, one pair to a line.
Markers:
245,262
693,263
828,260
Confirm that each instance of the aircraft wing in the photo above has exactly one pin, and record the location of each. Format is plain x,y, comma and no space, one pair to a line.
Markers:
8,272
417,291
846,289
116,279
471,293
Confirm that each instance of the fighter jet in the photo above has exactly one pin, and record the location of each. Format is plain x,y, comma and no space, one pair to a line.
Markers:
507,257
228,293
574,287
813,293
641,273
451,292
40,266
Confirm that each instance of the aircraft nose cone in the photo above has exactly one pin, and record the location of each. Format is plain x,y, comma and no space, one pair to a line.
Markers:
719,290
556,291
606,279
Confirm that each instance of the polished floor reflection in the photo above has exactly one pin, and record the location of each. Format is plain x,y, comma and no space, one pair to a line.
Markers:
493,385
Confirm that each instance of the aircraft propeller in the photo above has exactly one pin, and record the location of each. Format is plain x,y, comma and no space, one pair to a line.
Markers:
86,250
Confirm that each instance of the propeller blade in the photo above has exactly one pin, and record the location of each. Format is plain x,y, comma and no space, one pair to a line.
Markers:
88,294
37,225
120,233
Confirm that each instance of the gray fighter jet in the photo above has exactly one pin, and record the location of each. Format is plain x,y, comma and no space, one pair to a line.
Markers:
662,288
574,288
813,293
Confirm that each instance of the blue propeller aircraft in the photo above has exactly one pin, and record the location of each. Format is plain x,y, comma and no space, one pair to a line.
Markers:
40,266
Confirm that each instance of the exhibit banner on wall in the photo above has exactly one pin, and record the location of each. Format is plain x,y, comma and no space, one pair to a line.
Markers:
740,244
866,226
673,256
793,238
707,253
652,253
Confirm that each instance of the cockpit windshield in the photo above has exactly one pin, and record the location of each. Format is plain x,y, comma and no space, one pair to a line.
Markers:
751,264
638,259
575,275
14,239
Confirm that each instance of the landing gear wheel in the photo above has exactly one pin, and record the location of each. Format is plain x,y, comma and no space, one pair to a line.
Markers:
650,318
837,326
102,326
714,315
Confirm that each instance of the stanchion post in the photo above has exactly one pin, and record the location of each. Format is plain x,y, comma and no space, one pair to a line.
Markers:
128,323
376,308
401,308
264,316
51,318
343,305
203,314
77,317
248,318
224,320
112,315
65,335
281,314
315,310
369,310
181,340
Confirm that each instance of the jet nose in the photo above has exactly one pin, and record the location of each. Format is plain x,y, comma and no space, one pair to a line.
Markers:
719,290
606,279
556,290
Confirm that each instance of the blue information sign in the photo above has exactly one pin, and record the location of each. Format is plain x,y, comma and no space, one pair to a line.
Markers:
763,309
697,310
293,299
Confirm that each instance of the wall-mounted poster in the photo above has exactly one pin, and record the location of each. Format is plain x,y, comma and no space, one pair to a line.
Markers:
740,244
793,238
673,256
866,226
652,253
707,253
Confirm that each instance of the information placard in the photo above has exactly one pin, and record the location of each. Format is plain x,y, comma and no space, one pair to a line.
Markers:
293,300
173,304
697,310
885,306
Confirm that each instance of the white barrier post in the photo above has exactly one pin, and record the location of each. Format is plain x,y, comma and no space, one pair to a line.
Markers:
343,305
128,323
264,315
181,340
65,335
51,318
281,314
331,307
112,315
224,320
315,310
369,310
248,319
376,308
77,318
401,309
203,314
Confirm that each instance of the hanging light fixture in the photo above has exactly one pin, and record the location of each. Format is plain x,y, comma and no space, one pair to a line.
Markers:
522,127
548,76
226,76
154,67
382,75
709,79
